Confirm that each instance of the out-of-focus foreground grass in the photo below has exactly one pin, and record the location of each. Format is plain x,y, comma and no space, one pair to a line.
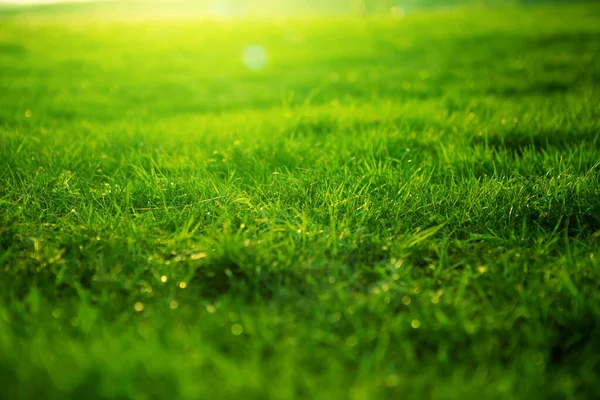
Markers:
331,207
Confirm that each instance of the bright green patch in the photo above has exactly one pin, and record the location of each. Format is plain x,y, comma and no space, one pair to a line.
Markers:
391,208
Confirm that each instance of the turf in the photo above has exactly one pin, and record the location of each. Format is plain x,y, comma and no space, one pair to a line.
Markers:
391,208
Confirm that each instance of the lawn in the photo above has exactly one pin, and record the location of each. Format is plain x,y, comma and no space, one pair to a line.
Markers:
365,207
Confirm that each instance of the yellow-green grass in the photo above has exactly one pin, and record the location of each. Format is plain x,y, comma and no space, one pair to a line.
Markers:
390,208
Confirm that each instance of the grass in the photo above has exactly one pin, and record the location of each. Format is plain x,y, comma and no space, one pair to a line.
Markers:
391,208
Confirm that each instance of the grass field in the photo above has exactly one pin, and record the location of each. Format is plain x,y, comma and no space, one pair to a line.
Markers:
390,208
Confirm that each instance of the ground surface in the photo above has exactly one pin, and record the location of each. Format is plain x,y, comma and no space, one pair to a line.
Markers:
391,208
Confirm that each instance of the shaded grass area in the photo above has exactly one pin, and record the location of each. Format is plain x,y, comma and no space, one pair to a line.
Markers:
391,208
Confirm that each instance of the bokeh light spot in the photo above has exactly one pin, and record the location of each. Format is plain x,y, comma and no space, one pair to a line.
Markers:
397,12
237,329
255,57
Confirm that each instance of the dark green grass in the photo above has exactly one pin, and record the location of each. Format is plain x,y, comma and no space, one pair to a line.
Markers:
390,209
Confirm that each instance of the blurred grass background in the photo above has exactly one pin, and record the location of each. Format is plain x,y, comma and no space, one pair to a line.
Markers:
240,8
325,206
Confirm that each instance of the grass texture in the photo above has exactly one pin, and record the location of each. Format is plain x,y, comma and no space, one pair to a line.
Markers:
389,208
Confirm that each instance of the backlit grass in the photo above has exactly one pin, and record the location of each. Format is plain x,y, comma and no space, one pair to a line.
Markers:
390,208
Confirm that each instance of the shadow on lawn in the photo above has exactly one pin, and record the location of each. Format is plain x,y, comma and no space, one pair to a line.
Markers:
520,141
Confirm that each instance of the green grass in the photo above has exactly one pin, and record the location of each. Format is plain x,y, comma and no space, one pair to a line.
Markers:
390,209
